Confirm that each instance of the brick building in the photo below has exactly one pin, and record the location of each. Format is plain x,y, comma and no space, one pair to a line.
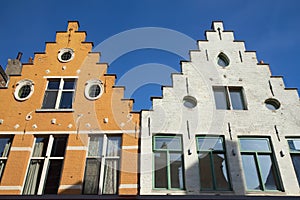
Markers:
65,128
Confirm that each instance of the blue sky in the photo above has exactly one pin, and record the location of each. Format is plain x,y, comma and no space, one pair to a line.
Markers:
270,27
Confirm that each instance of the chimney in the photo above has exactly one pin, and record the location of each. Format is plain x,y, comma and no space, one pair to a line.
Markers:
19,56
30,60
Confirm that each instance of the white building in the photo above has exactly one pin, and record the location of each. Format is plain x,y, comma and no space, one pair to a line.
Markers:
225,126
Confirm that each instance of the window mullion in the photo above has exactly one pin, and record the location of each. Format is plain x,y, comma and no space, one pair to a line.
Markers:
259,171
102,164
59,93
229,104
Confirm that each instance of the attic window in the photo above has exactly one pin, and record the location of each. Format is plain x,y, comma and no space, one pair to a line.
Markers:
65,55
222,60
189,102
272,104
93,89
24,90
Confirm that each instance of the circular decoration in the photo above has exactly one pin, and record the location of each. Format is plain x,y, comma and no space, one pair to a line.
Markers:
65,55
272,104
24,90
189,102
222,60
93,89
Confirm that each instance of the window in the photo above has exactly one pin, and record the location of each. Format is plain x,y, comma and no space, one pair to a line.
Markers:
5,144
229,98
272,104
189,102
93,89
102,165
44,171
294,145
65,55
24,90
222,60
212,163
258,164
168,162
59,93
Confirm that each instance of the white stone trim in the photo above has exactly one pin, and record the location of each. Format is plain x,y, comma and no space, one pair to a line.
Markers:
70,132
76,148
11,188
124,186
71,187
130,147
20,149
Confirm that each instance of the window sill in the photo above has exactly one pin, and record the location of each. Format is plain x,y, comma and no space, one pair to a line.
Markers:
54,110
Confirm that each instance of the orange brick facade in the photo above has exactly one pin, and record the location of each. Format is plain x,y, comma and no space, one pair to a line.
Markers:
109,114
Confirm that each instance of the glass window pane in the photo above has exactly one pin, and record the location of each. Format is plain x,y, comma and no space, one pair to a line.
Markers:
173,143
49,99
95,146
210,144
294,144
250,172
66,100
267,172
33,177
53,84
91,176
205,168
113,146
220,171
53,177
69,84
5,144
2,165
40,147
220,98
59,146
160,174
176,170
296,163
24,91
236,98
255,145
94,91
110,177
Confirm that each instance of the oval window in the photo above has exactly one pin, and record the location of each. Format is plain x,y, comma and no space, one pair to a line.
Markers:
189,102
272,104
93,89
24,90
222,60
65,55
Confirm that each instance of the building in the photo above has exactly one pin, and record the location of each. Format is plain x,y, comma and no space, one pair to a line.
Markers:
226,126
65,128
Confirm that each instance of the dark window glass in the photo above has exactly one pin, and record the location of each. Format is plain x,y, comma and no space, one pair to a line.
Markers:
5,144
110,185
161,174
49,99
296,163
66,100
69,84
236,97
33,177
53,84
220,172
221,98
59,146
176,170
94,91
24,91
53,177
91,177
206,178
40,147
66,56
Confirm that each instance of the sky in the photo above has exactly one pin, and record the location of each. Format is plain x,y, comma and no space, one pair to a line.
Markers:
269,27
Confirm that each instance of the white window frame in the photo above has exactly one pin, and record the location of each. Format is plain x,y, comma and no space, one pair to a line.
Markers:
45,166
60,91
103,158
19,85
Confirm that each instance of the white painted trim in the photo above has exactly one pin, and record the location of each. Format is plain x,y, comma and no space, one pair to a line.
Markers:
71,187
60,77
76,148
20,149
70,132
130,147
124,186
11,188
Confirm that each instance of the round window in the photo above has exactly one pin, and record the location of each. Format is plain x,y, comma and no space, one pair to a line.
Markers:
93,89
65,55
222,60
189,102
24,90
272,104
